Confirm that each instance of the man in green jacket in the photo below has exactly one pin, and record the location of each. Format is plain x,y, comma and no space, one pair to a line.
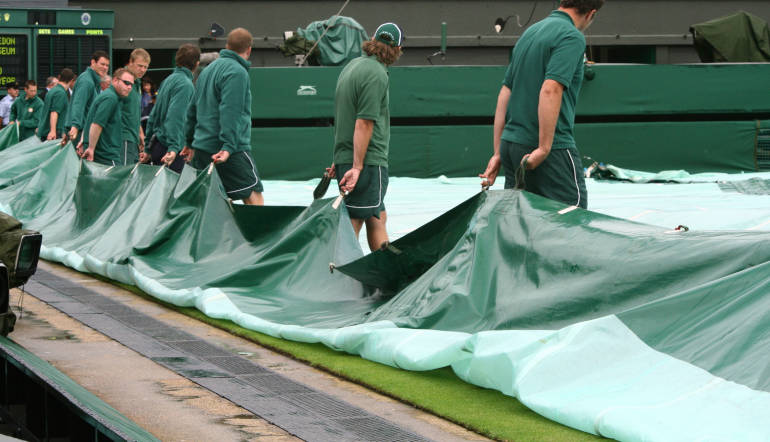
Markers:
86,89
103,141
362,133
218,124
51,125
535,114
133,136
165,127
27,111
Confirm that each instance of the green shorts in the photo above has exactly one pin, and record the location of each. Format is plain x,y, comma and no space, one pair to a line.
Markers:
130,152
559,177
111,158
238,174
368,197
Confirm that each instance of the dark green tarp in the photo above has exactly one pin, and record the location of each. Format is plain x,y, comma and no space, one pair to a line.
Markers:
617,328
740,37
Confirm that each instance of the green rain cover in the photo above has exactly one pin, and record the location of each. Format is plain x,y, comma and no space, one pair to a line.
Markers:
9,135
626,330
740,37
342,42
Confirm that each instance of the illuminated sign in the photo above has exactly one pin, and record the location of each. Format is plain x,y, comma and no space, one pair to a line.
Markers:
65,31
13,59
44,31
94,32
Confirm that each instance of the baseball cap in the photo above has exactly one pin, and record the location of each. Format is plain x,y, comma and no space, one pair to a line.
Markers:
389,33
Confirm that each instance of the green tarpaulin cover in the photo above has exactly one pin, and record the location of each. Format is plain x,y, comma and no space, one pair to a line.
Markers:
9,136
342,42
740,37
626,330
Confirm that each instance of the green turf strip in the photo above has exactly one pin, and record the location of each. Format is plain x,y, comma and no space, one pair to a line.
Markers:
441,392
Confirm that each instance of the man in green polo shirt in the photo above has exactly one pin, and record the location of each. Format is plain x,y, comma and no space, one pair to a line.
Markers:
534,129
51,125
362,133
85,90
165,127
103,141
218,124
133,136
26,111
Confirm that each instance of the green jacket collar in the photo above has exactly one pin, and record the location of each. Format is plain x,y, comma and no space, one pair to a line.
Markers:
374,57
97,79
185,71
227,53
562,15
112,89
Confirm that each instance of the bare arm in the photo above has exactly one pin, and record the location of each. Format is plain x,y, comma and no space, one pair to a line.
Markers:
502,108
93,139
53,119
547,115
493,167
141,138
361,137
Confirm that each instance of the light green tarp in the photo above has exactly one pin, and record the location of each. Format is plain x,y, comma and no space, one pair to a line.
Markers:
740,37
9,136
626,330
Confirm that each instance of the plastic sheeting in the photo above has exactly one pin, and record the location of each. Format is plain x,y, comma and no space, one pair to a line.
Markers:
9,136
740,37
616,328
341,43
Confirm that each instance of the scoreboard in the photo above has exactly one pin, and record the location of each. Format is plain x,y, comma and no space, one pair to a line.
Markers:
38,43
14,58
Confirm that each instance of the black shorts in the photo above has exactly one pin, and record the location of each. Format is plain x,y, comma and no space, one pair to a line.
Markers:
158,150
559,177
367,199
238,174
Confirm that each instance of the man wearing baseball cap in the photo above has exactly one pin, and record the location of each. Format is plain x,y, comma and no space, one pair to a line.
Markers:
27,111
362,132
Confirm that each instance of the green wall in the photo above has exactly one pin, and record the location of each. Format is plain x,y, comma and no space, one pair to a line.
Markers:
639,118
431,151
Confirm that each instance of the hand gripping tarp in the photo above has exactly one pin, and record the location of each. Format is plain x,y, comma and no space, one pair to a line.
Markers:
626,330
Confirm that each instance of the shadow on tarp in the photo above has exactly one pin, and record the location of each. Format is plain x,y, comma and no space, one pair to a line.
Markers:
515,292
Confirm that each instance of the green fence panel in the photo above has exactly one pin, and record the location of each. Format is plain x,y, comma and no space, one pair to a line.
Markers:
455,151
415,151
471,91
721,146
308,92
676,89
